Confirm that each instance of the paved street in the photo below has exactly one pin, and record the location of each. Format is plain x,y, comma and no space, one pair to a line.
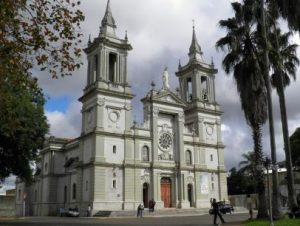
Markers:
204,220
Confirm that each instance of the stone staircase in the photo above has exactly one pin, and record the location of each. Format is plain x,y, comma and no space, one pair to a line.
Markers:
156,213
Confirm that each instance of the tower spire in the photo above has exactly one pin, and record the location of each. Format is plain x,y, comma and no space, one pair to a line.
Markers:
195,52
108,24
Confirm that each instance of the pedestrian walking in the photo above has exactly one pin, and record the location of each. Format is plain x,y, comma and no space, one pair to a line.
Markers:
140,210
89,211
216,212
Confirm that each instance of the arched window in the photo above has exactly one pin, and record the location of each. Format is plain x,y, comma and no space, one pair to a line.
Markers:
145,153
74,191
112,67
188,157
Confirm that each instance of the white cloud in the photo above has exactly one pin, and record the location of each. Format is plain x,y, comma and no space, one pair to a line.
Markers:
160,33
68,124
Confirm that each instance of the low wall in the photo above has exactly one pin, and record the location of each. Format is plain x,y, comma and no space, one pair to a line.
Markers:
244,200
7,206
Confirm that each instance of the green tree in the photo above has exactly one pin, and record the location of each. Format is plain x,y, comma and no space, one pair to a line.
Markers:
275,9
243,60
239,182
289,10
22,124
43,33
247,165
295,147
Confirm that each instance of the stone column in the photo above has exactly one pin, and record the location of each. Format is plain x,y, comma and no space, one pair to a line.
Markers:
128,118
198,87
214,88
180,151
200,126
154,134
223,186
129,188
202,159
103,64
219,132
99,149
99,184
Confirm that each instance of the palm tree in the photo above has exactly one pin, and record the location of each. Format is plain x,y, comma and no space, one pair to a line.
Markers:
248,164
243,60
284,60
261,20
289,10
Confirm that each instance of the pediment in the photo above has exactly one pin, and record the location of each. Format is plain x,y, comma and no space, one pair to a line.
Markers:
168,97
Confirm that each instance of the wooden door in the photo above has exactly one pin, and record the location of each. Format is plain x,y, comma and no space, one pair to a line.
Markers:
166,192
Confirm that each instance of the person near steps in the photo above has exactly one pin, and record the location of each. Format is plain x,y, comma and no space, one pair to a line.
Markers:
216,212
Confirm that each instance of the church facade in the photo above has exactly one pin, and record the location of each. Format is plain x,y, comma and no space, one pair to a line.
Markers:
175,157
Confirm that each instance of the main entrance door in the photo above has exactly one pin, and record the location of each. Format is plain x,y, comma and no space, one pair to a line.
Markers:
166,191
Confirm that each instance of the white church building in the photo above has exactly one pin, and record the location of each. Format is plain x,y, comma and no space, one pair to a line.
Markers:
176,156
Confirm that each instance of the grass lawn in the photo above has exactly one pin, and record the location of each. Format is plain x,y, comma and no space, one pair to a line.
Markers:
283,222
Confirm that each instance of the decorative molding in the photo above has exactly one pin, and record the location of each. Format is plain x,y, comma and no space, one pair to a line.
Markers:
155,111
114,116
145,179
180,116
190,180
100,102
127,106
200,119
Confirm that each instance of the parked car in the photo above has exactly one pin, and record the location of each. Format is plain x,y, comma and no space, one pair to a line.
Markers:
71,212
223,208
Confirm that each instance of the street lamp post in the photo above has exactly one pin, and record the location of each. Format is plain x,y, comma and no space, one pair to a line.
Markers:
267,164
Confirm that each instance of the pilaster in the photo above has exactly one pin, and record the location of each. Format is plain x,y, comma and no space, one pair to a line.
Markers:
100,113
99,184
154,134
223,186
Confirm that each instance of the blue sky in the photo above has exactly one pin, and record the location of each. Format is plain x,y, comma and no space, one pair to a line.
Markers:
60,103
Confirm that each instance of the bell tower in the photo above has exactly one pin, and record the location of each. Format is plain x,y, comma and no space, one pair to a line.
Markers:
197,87
196,78
107,80
107,57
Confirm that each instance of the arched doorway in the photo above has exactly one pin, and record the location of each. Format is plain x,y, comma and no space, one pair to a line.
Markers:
166,191
145,194
190,194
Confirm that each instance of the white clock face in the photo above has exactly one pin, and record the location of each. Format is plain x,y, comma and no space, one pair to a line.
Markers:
165,141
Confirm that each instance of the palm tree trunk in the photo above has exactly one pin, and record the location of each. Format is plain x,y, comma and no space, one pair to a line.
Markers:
259,173
275,194
287,149
286,139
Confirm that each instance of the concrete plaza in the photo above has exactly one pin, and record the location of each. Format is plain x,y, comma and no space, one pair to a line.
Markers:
201,220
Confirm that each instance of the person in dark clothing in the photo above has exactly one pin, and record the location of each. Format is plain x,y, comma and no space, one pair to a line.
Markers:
151,205
216,212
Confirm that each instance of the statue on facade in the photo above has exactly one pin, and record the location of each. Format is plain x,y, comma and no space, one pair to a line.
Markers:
166,79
